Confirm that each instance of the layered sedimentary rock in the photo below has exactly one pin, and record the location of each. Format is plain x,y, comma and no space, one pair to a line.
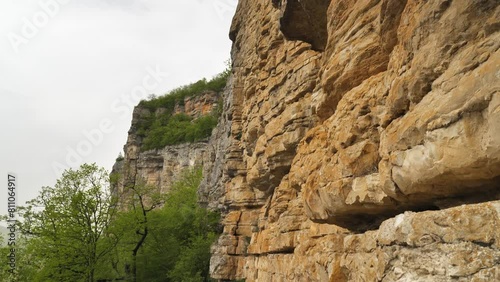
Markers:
360,141
161,167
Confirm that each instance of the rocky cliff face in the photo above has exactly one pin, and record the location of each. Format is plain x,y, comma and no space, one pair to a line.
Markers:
160,168
360,141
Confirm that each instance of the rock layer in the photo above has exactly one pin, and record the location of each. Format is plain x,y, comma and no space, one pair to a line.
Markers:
160,168
360,141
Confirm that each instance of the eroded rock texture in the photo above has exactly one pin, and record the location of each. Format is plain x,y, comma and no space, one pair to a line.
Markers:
160,168
361,142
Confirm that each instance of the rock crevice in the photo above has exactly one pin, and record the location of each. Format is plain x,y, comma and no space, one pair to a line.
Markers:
360,141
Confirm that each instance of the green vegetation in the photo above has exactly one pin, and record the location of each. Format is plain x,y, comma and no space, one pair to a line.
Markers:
178,129
65,228
77,231
120,157
177,96
181,223
167,243
157,238
164,128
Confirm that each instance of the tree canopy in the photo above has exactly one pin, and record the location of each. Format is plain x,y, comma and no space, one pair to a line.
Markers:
169,243
78,231
65,226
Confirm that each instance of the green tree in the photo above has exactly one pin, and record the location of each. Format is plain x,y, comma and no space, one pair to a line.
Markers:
66,225
142,199
163,237
181,233
27,264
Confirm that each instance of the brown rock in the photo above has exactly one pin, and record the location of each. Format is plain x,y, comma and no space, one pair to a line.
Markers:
161,167
346,127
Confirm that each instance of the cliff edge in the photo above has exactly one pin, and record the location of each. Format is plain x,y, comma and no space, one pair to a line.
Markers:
161,165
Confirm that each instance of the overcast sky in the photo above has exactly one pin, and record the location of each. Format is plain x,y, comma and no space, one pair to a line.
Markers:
71,71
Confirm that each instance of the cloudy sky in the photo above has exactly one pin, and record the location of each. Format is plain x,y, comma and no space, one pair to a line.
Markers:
72,70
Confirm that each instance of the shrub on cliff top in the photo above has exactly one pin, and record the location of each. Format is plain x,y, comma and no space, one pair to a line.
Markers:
160,130
177,96
178,129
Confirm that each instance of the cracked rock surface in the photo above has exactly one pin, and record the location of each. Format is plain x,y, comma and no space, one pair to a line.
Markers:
360,141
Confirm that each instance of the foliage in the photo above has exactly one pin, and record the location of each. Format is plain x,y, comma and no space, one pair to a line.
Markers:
74,231
27,263
133,225
66,226
162,129
194,260
180,233
190,227
120,157
177,96
178,129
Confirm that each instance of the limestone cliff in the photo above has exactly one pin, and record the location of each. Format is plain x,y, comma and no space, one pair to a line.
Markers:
161,167
359,141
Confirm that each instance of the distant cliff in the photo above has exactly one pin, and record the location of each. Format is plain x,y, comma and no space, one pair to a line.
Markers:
160,167
360,141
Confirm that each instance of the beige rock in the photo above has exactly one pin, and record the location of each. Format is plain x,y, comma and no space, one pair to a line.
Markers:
160,168
457,244
347,126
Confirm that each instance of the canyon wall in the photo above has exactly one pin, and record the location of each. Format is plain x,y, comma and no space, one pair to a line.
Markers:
161,167
359,141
